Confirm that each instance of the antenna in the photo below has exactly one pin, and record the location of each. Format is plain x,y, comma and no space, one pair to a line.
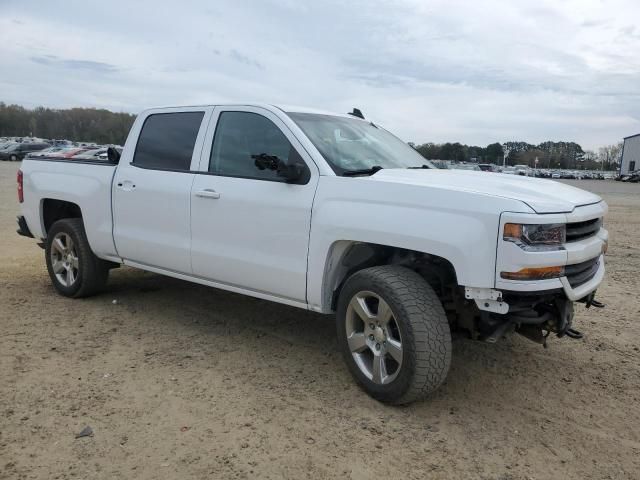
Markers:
357,113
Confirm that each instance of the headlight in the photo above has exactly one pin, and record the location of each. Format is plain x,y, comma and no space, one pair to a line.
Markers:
550,236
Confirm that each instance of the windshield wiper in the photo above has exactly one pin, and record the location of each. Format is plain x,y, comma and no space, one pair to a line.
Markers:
362,171
421,166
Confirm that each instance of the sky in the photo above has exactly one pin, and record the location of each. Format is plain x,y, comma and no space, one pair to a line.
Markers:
475,72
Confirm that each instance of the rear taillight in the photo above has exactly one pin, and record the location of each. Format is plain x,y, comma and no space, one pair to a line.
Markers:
20,189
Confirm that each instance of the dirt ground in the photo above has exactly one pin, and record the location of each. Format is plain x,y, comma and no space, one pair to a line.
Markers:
183,381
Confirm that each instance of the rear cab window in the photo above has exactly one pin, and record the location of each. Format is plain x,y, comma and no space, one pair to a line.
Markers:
167,140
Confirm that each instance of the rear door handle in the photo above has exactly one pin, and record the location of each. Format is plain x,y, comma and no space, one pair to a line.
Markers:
208,193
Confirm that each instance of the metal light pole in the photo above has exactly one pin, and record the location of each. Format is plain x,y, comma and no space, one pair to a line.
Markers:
504,157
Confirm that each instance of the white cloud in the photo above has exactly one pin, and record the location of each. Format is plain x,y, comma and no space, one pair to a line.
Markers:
474,72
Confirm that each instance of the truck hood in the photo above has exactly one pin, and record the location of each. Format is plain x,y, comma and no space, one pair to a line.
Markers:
542,195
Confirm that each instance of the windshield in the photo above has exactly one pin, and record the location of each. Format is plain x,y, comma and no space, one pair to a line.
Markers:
350,144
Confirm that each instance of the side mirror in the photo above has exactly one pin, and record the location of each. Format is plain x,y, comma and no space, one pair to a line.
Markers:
113,155
291,173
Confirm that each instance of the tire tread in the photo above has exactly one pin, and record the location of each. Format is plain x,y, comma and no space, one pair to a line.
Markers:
94,271
429,342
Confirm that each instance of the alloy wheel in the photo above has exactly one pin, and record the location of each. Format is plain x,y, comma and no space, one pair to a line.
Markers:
374,337
64,259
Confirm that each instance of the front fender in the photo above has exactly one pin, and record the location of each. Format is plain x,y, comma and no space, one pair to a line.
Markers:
461,227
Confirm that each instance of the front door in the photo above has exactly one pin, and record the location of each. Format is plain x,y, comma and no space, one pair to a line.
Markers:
250,229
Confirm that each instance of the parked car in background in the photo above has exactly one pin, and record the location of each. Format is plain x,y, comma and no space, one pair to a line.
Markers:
631,177
95,154
486,167
465,166
68,152
62,143
522,170
18,151
46,152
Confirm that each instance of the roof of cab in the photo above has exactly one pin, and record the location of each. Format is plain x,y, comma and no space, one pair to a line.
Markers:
268,106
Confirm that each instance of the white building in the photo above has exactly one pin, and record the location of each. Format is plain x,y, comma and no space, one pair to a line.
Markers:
630,154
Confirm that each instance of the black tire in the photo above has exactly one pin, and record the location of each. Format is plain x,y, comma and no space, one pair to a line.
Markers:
420,323
14,158
91,273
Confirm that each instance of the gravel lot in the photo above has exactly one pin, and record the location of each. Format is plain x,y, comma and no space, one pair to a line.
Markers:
182,381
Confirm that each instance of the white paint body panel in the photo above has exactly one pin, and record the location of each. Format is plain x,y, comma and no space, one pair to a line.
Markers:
88,186
278,241
254,234
459,226
542,195
152,208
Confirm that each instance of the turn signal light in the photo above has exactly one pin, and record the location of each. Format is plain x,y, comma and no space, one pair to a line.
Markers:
538,273
512,230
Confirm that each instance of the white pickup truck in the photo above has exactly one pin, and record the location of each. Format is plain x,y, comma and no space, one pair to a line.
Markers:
330,213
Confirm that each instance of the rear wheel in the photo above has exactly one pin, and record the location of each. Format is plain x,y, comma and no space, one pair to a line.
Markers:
14,158
393,334
74,269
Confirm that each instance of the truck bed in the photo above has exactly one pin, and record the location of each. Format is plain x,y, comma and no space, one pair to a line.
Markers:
85,183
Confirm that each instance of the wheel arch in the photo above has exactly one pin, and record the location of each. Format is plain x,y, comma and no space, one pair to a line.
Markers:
52,210
347,257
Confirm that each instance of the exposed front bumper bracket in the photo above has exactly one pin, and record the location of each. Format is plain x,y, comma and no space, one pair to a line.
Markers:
487,299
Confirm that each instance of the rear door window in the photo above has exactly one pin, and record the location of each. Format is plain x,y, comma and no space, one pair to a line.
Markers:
166,141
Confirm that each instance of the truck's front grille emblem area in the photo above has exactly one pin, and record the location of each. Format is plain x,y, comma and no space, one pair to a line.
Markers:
581,230
580,273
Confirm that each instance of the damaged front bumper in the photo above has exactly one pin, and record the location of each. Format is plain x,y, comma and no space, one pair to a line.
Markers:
534,314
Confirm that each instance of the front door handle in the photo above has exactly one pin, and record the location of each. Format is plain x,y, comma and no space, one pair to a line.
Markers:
126,185
208,193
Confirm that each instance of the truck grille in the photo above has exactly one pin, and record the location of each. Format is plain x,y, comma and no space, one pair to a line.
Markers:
580,273
581,230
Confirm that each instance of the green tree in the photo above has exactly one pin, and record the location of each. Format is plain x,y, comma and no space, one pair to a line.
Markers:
493,153
77,124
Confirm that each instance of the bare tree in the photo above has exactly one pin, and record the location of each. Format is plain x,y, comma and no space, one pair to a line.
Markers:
609,156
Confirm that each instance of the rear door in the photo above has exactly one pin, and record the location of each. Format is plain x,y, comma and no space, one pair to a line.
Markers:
250,229
152,185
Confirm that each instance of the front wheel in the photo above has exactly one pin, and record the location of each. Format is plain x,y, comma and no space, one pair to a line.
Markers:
14,158
393,334
74,269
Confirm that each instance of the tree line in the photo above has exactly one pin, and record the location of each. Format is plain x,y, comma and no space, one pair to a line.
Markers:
76,124
568,155
458,152
106,127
